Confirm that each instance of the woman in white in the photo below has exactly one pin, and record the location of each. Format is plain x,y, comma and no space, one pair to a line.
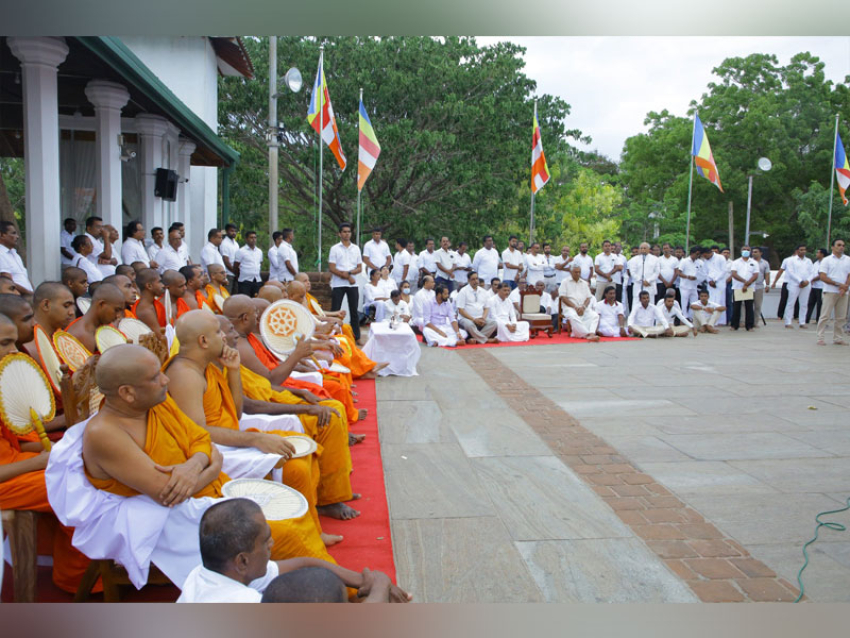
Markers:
386,283
504,313
374,296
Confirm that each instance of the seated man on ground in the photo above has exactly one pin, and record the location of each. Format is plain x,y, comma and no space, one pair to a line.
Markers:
706,313
396,309
421,301
577,303
107,306
440,324
673,312
236,542
474,312
612,315
647,320
504,314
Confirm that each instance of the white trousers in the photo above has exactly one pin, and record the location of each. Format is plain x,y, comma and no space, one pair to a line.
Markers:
648,331
689,296
520,334
582,325
702,318
795,293
718,296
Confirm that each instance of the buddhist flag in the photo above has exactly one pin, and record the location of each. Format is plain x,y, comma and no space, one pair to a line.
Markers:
369,148
321,113
703,158
842,169
539,168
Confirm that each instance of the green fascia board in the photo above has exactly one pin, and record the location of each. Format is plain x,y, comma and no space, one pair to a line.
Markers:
118,56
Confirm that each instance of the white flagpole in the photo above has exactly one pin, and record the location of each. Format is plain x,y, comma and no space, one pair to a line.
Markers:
321,104
832,181
357,174
690,184
531,225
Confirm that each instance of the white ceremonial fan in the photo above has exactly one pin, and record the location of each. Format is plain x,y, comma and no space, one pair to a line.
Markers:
166,301
219,302
277,501
283,324
108,337
72,352
133,328
338,367
49,359
315,305
304,445
26,400
83,304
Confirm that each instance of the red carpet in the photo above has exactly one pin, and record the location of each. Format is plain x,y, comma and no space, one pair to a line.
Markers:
541,340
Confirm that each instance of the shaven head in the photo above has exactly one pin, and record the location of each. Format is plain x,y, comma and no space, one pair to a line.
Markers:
297,291
125,285
199,335
20,312
76,280
54,306
260,305
241,312
7,287
130,377
230,334
8,336
306,585
127,270
270,293
217,273
175,283
227,529
303,278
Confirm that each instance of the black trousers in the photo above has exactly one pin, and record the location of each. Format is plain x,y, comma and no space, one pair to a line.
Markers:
660,291
250,288
448,283
815,302
783,301
749,320
728,297
352,292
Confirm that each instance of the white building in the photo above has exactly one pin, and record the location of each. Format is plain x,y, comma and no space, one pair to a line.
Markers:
95,117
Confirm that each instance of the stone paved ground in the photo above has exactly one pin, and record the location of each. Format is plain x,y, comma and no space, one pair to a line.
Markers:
662,470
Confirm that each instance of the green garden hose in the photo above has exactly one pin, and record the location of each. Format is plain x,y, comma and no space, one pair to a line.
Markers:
838,527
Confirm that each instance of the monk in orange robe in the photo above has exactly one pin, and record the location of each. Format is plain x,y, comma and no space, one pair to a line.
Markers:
175,286
126,285
142,443
217,286
194,296
107,306
149,309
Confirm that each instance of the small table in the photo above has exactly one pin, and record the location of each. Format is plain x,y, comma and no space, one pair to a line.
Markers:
398,346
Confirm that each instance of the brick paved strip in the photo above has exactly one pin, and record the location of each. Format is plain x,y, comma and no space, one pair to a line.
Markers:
715,567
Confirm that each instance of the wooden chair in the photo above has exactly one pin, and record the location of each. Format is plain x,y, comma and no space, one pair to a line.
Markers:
20,526
530,301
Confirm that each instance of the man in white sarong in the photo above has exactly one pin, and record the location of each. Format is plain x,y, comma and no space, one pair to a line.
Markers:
472,311
612,315
502,311
421,300
440,323
716,275
577,303
647,320
643,269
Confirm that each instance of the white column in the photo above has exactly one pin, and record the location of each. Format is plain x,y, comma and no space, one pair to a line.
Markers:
108,99
40,58
151,129
184,201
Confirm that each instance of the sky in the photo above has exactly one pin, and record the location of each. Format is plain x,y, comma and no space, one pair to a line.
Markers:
612,82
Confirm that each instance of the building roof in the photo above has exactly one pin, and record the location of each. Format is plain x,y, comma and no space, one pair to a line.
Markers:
232,57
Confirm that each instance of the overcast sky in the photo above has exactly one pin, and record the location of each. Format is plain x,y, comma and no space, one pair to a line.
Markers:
611,83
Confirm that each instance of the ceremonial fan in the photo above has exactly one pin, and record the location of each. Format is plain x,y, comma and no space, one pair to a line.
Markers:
74,353
285,323
304,445
277,501
83,304
218,300
166,301
26,400
49,359
133,328
107,337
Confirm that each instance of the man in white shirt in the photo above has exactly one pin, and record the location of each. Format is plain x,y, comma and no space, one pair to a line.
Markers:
835,275
82,246
619,276
816,295
463,265
486,262
228,249
209,253
513,261
427,260
473,312
798,275
420,300
612,315
536,265
446,261
440,321
401,262
504,314
249,261
413,274
184,247
344,262
101,255
606,266
376,252
585,261
11,264
289,258
157,244
706,313
671,310
643,269
275,264
549,268
133,248
562,265
396,308
668,270
577,303
169,258
716,276
647,320
745,271
688,278
65,239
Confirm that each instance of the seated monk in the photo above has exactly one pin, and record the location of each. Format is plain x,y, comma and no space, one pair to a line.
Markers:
194,296
126,286
271,293
7,286
140,442
20,311
149,308
127,270
22,484
213,399
175,286
217,285
77,282
323,422
235,541
107,306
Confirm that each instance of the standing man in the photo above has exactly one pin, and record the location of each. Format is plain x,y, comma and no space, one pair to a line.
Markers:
228,248
427,261
835,275
585,261
605,265
288,256
133,248
157,239
745,272
463,265
513,261
101,254
10,261
486,262
65,239
184,247
248,261
798,275
473,312
209,253
344,262
376,252
643,269
762,284
816,296
668,270
549,268
618,279
688,279
717,275
536,264
170,258
446,262
562,265
274,257
401,262
413,273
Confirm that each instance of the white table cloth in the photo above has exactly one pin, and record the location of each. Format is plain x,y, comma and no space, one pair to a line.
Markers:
399,347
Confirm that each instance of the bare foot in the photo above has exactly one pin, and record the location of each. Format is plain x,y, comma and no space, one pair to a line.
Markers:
492,340
380,366
339,511
362,413
331,539
593,337
369,375
354,497
354,439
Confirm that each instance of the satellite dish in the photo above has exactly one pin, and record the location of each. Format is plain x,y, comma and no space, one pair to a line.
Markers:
293,80
764,164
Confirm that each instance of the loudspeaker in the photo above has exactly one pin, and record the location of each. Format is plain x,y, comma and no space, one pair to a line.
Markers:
166,184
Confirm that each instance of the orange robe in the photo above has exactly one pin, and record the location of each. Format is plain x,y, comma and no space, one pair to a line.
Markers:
354,359
211,291
201,300
335,459
172,438
29,492
182,307
130,313
160,311
332,388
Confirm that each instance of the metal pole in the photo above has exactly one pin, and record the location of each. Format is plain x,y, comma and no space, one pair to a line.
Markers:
273,163
690,185
749,206
321,104
357,178
531,234
831,182
731,232
531,221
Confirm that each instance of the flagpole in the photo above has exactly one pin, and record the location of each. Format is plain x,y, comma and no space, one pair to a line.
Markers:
357,175
321,105
832,181
531,225
690,184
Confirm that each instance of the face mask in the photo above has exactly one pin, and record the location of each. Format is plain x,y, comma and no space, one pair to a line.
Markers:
745,253
405,290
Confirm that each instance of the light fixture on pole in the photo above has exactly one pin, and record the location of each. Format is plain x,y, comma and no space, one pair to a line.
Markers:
763,165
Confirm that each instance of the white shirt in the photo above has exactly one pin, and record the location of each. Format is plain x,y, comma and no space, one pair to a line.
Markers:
744,269
65,240
689,268
153,249
229,247
10,262
536,264
134,250
620,260
605,263
815,272
609,315
413,270
448,260
206,586
515,258
386,286
641,270
717,268
346,259
560,275
210,255
472,301
486,264
647,317
372,293
428,261
576,291
396,310
502,310
377,253
707,309
274,263
798,270
463,261
586,263
667,267
250,261
514,297
184,250
402,259
836,269
421,299
97,248
93,273
673,313
287,253
169,259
